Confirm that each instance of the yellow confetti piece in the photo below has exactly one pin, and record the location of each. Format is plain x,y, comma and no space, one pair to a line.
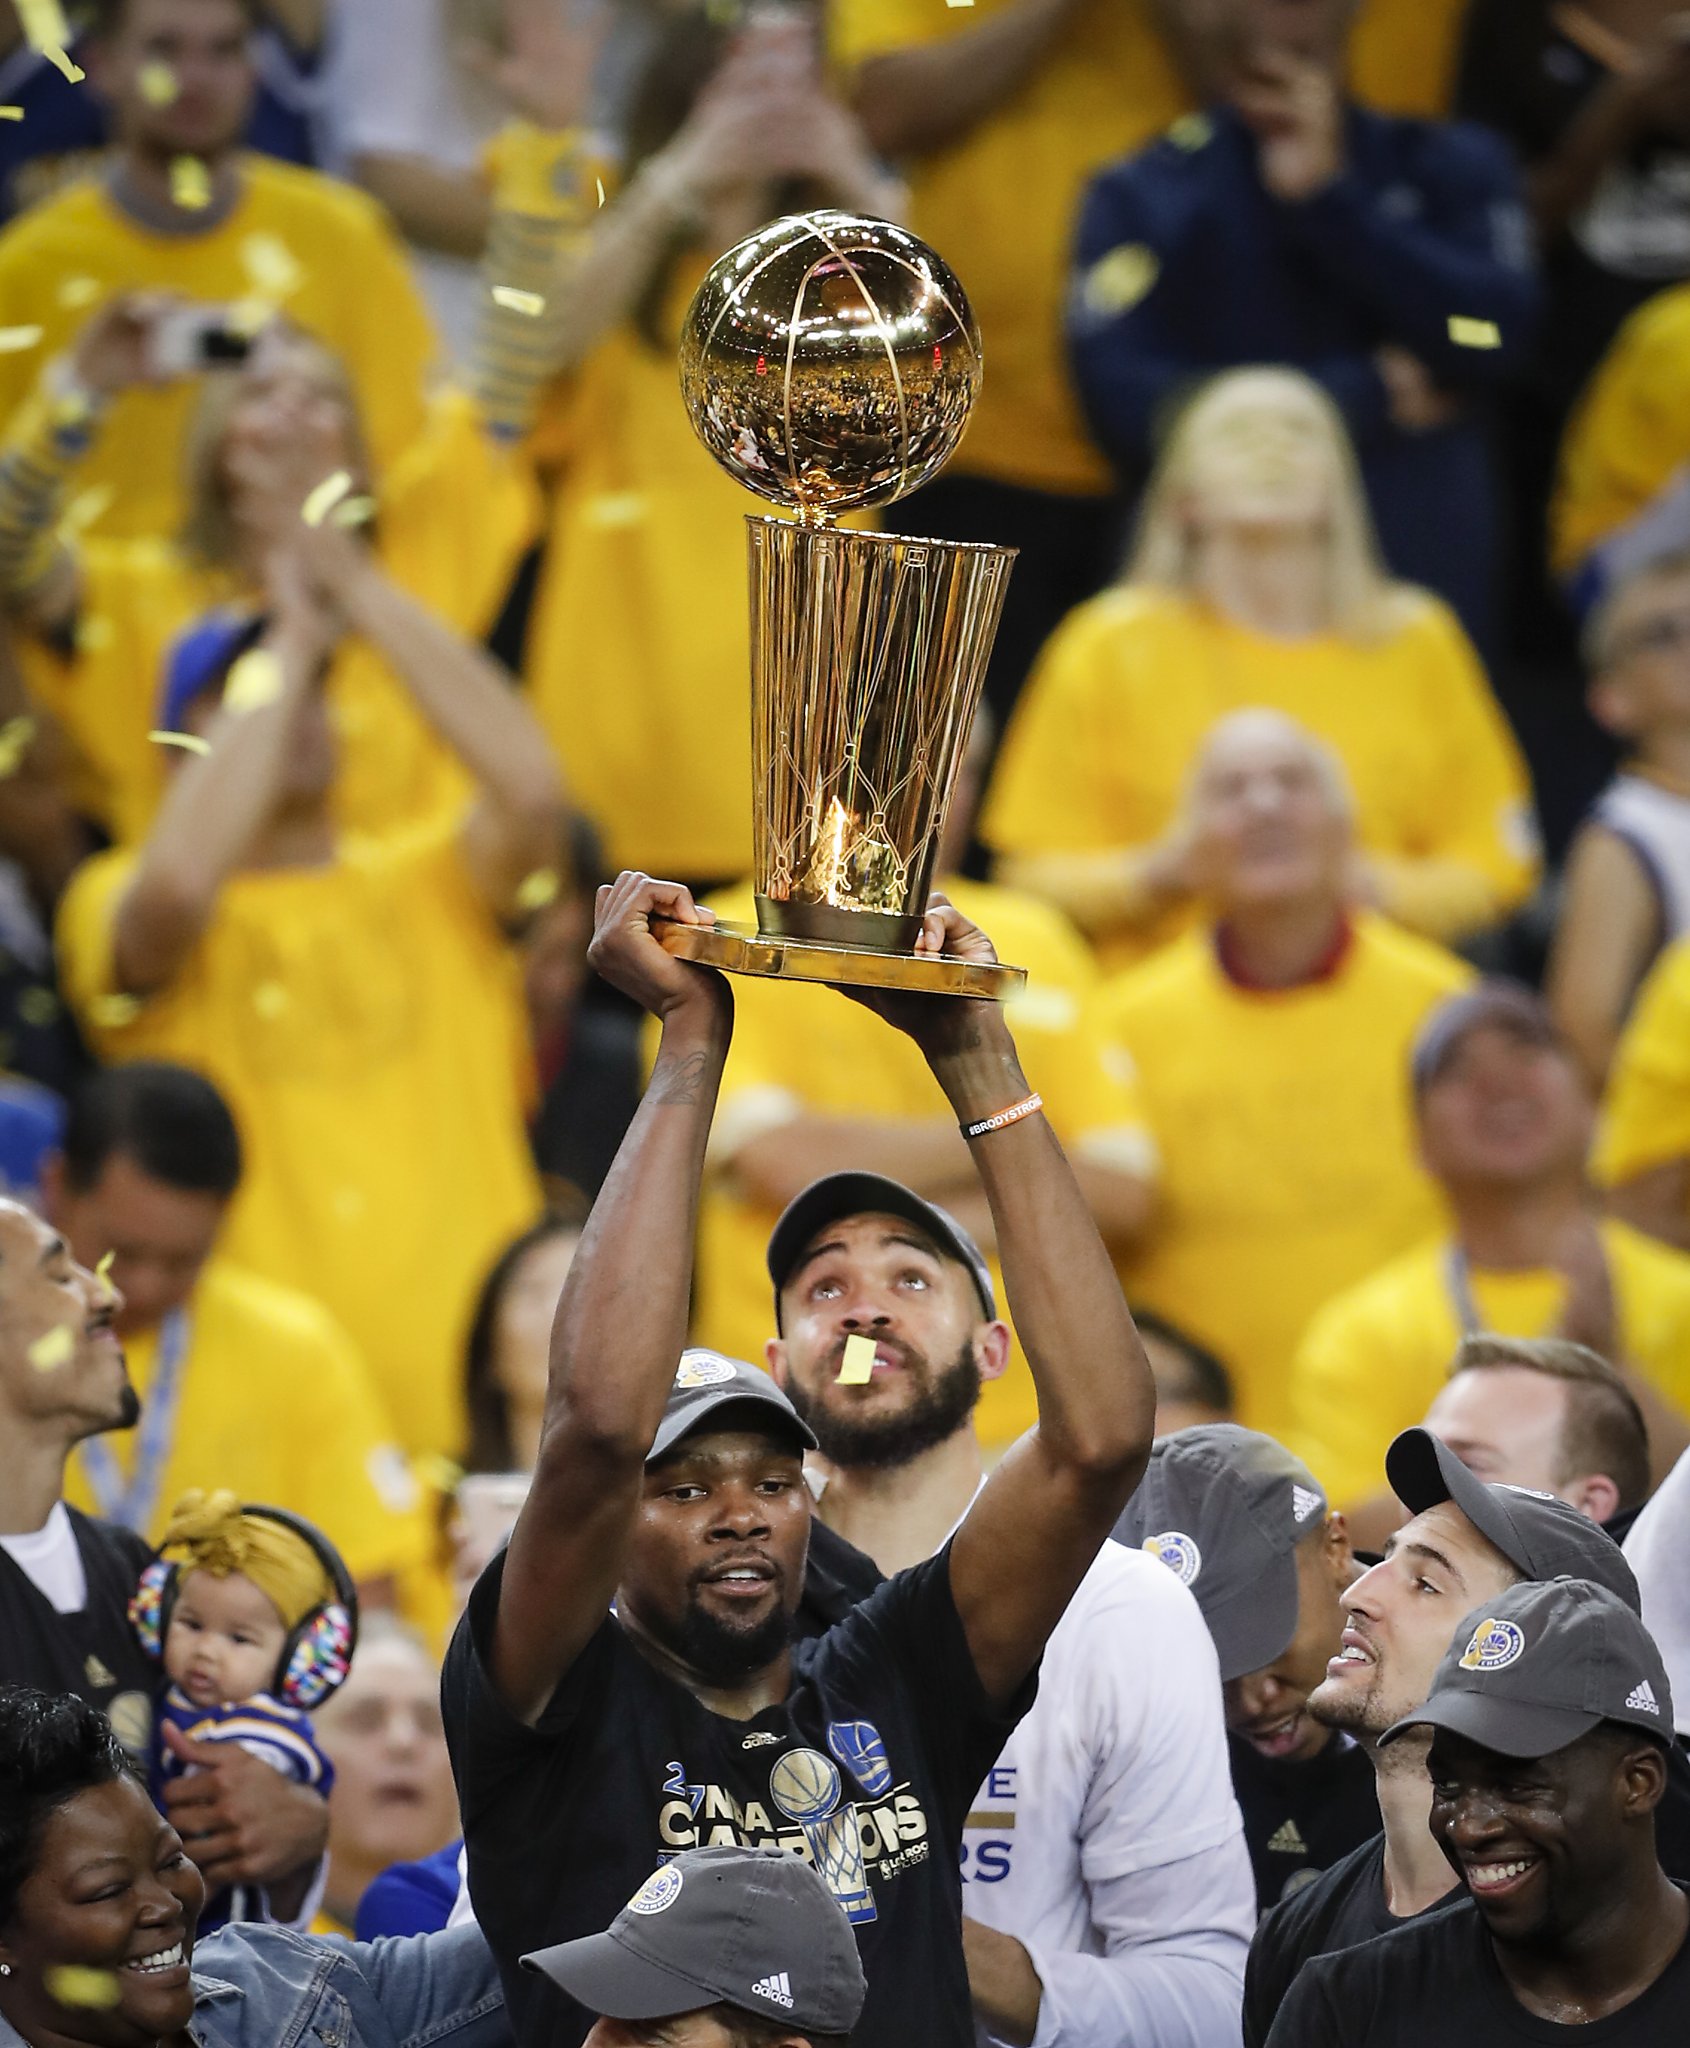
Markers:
255,680
11,113
535,891
269,999
103,1270
599,183
355,512
55,55
326,497
77,292
1467,333
436,1472
15,736
189,742
190,184
271,266
14,340
531,303
247,316
85,508
95,1990
959,3
48,1353
158,83
857,1367
111,1013
93,634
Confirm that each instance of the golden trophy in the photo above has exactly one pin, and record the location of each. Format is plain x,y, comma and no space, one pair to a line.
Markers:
829,362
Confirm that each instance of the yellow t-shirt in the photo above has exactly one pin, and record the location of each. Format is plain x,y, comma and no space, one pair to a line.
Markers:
1646,1113
321,251
456,513
1630,432
1403,55
800,1049
365,1023
277,1406
1126,690
1372,1361
1284,1126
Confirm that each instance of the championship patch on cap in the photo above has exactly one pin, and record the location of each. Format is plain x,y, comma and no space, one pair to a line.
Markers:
660,1890
703,1372
1494,1646
1178,1553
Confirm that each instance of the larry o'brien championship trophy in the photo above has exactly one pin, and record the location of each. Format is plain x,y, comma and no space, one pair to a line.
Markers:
829,362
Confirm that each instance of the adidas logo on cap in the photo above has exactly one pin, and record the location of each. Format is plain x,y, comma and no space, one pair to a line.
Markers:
776,1989
1303,1502
1641,1698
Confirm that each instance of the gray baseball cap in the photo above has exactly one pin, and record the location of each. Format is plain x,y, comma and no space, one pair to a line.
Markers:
752,1928
1541,1536
1541,1665
835,1195
1225,1508
706,1381
1509,1005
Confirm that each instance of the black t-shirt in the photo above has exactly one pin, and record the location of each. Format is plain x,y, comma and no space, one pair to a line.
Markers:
92,1653
1301,1816
880,1746
1436,1980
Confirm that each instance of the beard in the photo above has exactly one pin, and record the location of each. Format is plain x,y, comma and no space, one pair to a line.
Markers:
1364,1715
722,1655
941,1403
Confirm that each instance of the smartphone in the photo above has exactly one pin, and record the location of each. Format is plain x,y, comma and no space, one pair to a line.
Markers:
190,339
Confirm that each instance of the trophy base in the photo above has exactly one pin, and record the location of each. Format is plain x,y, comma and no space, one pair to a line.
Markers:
742,949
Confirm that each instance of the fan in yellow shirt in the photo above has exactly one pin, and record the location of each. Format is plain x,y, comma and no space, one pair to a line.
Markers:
1272,1058
1642,1152
355,1000
177,206
1504,1117
1620,495
1256,582
453,515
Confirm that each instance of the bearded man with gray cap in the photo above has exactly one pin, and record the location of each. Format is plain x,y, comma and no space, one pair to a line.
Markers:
1465,1543
1550,1728
1105,1884
591,1745
1245,1525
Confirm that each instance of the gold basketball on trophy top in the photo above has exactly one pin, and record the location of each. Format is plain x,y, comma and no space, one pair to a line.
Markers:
829,362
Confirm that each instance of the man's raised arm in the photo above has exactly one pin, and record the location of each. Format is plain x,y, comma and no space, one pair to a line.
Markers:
1050,1504
621,1324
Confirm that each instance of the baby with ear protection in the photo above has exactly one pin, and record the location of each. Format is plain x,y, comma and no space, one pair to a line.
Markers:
252,1614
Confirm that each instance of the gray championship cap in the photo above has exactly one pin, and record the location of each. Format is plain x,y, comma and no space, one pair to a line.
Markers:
1541,1537
752,1928
1224,1508
1541,1665
837,1195
706,1381
1505,1005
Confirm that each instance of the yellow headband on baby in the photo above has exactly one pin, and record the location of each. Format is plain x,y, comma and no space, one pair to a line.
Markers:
212,1532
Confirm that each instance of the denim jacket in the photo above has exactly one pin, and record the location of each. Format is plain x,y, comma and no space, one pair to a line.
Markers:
258,1986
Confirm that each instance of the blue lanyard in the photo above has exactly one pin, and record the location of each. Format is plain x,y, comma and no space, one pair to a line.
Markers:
1458,1279
134,1503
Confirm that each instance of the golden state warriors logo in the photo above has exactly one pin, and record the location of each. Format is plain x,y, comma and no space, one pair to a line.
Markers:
661,1889
1178,1553
806,1786
1494,1646
702,1369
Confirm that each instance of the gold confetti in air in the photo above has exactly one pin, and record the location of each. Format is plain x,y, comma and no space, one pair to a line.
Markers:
158,83
531,303
959,3
857,1367
355,512
189,742
14,340
326,497
15,736
535,891
255,680
60,61
1467,333
246,316
190,184
48,1353
95,1990
271,266
112,1013
76,292
11,113
84,509
103,1270
599,183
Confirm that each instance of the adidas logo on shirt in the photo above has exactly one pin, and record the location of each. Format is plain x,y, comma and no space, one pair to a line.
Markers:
1642,1697
1287,1840
774,1988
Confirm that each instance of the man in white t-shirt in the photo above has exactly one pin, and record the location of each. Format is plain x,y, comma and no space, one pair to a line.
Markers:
1106,1837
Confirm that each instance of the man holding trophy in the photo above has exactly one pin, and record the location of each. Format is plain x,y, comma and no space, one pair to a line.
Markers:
624,1685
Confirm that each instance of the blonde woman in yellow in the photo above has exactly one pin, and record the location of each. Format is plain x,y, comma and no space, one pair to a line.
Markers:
638,649
1255,581
102,618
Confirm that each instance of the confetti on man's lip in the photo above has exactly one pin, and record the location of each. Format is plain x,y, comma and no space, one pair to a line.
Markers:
190,184
48,1353
531,303
74,1984
14,340
189,742
326,497
1466,333
856,1368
